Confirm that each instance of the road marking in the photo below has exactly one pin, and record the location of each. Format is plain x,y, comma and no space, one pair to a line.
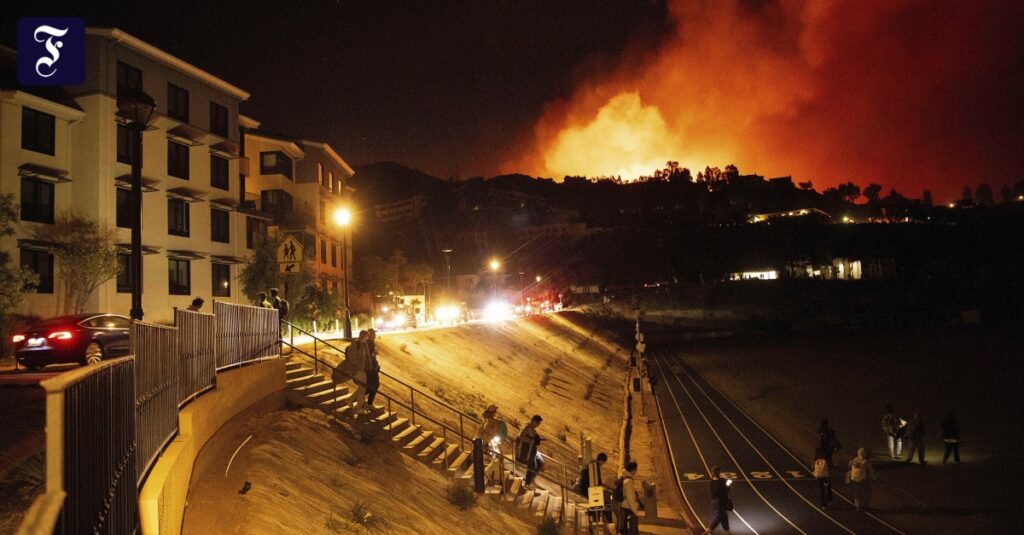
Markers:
700,518
795,458
232,459
729,453
765,459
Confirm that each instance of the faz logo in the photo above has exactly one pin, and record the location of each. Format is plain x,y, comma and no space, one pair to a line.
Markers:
51,50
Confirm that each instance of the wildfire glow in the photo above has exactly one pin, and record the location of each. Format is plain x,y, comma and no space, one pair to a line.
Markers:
625,138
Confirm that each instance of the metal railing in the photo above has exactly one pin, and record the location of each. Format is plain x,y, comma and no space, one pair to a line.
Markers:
245,333
197,357
414,405
156,390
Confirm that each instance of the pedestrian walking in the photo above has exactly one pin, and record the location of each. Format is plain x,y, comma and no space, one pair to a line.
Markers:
951,438
485,433
915,435
372,369
626,503
893,427
527,445
262,302
721,502
353,368
590,477
860,476
823,476
197,304
828,444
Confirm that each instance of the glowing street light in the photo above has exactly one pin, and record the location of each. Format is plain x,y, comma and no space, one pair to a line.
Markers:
495,264
343,218
538,278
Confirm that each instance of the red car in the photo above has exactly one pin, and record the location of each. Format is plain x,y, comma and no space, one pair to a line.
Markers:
81,339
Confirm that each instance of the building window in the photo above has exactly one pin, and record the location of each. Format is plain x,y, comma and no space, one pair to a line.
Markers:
323,251
220,226
254,229
275,200
219,172
275,162
334,255
330,179
177,103
124,273
37,132
36,200
41,263
320,173
124,144
177,217
218,119
221,280
179,280
124,208
128,78
177,159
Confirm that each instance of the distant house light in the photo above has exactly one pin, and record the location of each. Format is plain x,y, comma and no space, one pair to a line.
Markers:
754,275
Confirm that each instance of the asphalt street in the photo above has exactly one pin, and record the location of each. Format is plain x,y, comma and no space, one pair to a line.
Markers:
773,490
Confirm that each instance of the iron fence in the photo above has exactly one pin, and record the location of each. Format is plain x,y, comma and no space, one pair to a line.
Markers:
91,447
245,333
156,390
197,357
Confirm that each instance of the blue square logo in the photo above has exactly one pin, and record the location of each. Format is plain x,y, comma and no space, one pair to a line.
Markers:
51,50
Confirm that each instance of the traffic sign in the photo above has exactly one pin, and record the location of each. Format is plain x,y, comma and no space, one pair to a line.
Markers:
289,255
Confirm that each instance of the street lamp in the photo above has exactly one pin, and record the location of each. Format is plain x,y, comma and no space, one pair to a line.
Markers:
495,266
343,218
448,266
135,108
522,299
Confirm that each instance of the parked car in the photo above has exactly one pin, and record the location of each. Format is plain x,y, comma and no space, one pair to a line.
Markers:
81,338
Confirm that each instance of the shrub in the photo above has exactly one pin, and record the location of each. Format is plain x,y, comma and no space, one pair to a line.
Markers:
461,496
353,459
360,514
548,526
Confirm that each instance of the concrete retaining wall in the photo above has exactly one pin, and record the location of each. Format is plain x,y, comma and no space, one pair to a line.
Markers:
163,496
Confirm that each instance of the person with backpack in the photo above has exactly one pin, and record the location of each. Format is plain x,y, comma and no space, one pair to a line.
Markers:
828,444
354,368
590,476
721,502
951,438
280,303
485,433
626,503
893,427
915,437
821,473
526,449
860,476
372,369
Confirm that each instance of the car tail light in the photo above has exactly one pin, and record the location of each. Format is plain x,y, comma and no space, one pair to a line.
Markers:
60,335
18,338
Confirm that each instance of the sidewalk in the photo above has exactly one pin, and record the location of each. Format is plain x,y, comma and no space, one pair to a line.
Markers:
647,448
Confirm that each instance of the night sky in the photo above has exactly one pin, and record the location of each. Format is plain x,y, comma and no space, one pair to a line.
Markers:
911,94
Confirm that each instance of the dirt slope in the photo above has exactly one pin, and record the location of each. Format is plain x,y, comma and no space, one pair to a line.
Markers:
305,477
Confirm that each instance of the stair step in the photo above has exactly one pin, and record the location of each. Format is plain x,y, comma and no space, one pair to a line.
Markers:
431,451
406,435
540,505
300,380
297,371
524,500
514,487
418,443
458,462
293,365
447,454
322,385
343,412
328,404
396,425
326,394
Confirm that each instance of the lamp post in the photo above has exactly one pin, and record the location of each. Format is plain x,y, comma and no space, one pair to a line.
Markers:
343,217
495,266
522,294
136,109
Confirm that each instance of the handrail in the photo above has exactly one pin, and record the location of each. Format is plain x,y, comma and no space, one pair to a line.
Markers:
563,486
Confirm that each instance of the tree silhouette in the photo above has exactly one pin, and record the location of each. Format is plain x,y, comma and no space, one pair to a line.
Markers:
806,186
926,197
848,191
967,198
983,195
872,192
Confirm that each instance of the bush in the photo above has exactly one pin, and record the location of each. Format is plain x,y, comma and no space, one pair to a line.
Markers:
360,514
548,526
461,496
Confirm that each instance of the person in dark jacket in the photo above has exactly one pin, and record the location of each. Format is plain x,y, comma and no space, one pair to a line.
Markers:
372,369
828,444
594,467
526,449
951,438
915,435
721,502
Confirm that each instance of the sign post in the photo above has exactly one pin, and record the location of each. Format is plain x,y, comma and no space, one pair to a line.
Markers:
289,255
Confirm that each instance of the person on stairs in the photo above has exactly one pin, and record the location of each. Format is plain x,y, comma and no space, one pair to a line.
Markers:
353,368
526,449
487,432
590,476
372,370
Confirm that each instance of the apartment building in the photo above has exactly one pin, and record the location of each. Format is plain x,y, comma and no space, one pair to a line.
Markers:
298,185
72,153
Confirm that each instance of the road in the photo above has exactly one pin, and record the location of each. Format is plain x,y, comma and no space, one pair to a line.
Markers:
773,490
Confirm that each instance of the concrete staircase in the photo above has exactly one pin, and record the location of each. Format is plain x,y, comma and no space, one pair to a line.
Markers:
307,388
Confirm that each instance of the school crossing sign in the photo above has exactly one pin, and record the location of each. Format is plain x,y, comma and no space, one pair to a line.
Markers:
289,254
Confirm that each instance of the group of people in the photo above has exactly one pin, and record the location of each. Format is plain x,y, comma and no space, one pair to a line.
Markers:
275,301
897,429
360,366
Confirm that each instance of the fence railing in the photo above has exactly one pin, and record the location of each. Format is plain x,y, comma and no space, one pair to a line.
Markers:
245,333
197,357
156,390
91,448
